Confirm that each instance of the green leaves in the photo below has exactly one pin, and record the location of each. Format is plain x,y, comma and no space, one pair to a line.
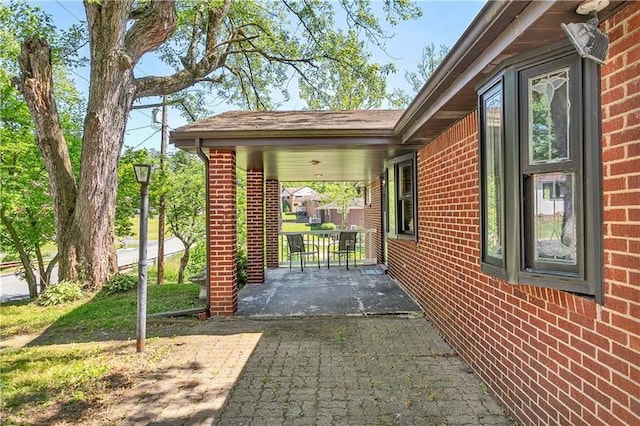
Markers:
185,197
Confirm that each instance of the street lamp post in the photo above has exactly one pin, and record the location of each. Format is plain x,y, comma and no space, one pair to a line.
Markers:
143,176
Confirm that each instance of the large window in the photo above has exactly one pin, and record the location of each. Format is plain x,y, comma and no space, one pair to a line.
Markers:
401,196
541,220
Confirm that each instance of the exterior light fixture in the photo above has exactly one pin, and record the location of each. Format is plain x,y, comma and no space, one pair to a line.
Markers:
143,173
143,176
319,175
587,38
314,162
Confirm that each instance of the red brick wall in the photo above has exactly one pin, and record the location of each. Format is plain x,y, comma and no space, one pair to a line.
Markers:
373,220
255,227
551,357
355,217
222,241
272,219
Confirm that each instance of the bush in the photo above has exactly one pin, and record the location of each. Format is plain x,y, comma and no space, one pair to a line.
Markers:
61,293
197,259
120,283
241,267
328,226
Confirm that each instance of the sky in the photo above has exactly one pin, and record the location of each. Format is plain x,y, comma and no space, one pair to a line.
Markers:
442,23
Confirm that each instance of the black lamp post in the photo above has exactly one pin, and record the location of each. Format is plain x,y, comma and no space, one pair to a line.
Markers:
143,176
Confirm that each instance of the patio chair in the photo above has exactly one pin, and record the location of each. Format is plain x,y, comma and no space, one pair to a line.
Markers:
297,248
347,243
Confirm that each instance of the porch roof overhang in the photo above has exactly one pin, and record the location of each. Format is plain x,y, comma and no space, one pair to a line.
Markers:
301,145
502,30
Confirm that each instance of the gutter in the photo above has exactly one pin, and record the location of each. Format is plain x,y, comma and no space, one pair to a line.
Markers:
465,43
205,160
476,45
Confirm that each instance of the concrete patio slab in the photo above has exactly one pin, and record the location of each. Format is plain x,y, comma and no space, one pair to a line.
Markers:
364,290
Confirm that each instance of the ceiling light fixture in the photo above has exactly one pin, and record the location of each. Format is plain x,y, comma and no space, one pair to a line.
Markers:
587,38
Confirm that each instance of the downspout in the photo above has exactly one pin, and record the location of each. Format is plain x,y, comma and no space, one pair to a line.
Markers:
205,160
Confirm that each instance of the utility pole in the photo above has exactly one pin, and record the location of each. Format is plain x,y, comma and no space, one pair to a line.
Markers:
163,155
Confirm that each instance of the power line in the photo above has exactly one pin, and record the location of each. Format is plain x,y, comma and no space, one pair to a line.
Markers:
69,12
149,137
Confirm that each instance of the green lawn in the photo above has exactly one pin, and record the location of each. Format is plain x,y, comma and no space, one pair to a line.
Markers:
82,353
152,229
295,227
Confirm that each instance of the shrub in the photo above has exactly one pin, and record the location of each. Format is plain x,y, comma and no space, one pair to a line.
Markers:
120,283
241,267
197,259
328,226
61,293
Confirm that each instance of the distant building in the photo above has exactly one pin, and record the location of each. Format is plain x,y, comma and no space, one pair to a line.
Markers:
301,200
331,213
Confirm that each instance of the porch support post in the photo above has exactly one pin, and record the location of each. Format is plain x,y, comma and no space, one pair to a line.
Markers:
255,227
272,216
222,225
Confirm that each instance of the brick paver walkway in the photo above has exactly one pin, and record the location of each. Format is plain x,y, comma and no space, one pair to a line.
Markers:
311,371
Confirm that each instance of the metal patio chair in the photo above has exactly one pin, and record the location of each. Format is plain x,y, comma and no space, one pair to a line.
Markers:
298,248
347,243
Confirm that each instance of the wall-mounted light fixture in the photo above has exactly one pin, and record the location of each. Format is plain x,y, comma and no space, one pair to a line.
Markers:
587,38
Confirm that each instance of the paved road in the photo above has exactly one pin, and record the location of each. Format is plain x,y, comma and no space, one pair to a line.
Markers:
14,288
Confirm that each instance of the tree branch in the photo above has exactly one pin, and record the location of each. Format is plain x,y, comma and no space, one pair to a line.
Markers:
190,60
211,60
154,24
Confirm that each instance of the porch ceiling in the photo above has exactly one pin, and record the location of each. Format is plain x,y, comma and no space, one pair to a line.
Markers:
301,145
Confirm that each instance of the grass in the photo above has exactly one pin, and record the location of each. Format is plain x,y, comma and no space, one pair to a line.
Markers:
96,314
295,227
152,228
57,380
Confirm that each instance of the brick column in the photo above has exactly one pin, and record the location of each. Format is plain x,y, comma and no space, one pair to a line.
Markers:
222,225
272,219
255,227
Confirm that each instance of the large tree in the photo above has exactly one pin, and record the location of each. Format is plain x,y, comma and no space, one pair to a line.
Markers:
26,212
241,50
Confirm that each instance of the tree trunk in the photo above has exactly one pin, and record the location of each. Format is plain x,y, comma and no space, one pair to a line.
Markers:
29,275
85,213
36,84
47,272
111,95
184,260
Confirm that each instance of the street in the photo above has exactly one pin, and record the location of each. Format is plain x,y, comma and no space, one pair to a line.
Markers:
14,288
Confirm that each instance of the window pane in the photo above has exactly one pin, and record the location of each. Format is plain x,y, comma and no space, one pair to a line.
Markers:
549,105
406,214
492,122
554,218
405,197
392,201
405,184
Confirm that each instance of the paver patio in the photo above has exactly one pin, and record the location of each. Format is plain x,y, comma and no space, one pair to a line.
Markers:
310,371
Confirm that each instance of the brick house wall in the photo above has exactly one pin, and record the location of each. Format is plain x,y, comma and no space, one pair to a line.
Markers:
550,356
355,217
